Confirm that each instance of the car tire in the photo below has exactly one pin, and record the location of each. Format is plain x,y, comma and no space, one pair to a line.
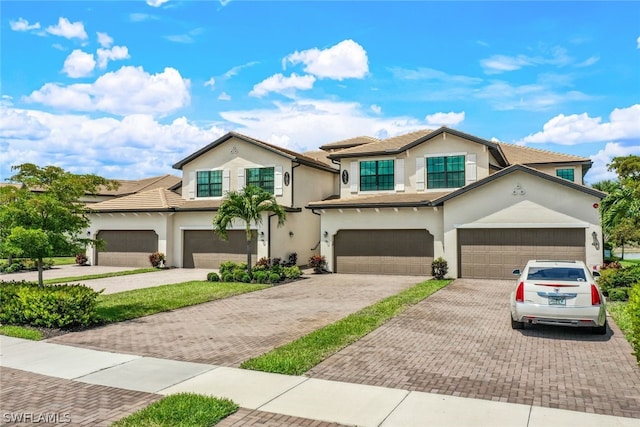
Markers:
515,324
600,330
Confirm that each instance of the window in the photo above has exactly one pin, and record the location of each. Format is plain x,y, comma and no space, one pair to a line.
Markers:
445,172
376,175
261,177
565,173
209,184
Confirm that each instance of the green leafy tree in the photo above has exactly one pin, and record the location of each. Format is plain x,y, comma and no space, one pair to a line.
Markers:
247,205
43,215
620,210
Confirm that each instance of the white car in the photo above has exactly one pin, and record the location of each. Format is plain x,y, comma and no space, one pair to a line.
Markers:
562,293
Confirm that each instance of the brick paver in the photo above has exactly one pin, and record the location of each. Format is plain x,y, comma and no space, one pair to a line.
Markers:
250,418
229,331
459,342
28,399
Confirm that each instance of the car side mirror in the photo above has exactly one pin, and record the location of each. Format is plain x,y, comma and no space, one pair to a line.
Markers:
516,272
595,273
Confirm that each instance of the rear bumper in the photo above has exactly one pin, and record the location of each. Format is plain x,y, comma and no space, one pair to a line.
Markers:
559,316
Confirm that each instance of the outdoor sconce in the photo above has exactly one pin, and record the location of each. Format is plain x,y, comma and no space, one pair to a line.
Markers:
291,234
262,236
326,234
596,243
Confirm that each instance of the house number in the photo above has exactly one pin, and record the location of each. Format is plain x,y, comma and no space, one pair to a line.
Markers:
287,178
345,177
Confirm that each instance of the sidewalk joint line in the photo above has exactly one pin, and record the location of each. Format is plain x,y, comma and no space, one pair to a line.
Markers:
396,407
284,392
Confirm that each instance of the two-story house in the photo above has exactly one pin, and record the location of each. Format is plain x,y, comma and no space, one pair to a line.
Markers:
178,221
485,207
369,206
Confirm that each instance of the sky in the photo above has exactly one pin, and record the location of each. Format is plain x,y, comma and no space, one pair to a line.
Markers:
124,89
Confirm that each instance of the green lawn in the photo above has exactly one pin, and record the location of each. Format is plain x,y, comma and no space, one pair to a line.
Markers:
99,276
21,332
59,260
181,410
143,302
297,357
618,310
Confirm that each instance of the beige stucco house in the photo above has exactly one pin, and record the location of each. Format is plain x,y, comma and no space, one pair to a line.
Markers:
369,206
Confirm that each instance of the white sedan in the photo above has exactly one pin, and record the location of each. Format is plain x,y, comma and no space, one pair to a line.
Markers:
562,293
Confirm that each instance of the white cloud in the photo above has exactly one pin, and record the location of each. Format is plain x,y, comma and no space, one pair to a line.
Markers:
23,25
156,3
133,147
376,109
497,64
638,42
104,39
624,124
224,96
79,64
345,60
589,61
112,54
211,82
141,17
68,30
602,158
281,84
530,97
445,119
235,70
130,90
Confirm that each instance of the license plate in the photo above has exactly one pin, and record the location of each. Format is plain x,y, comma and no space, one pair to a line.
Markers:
557,301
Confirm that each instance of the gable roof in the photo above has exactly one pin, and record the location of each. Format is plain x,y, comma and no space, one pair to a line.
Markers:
292,155
401,143
135,186
348,143
518,154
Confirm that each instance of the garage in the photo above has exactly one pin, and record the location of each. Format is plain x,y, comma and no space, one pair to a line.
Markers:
205,249
126,248
404,252
494,253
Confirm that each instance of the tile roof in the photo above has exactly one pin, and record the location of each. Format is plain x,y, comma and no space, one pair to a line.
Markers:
383,145
380,200
159,199
348,143
135,186
518,154
320,156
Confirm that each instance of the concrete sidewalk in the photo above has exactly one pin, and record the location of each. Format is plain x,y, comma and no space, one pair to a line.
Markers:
299,396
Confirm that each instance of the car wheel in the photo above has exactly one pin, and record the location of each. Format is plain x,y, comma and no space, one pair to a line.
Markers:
601,330
515,324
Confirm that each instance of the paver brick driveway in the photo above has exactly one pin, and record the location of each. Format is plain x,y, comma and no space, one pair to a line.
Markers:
230,331
459,342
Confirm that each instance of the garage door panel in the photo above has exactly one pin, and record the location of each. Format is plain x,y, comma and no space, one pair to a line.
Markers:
383,252
126,248
205,249
495,253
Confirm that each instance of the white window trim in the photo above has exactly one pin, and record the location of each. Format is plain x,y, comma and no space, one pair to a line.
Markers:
274,166
450,154
195,184
373,159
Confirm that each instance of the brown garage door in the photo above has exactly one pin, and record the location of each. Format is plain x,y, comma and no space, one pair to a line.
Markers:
494,253
126,248
383,251
204,249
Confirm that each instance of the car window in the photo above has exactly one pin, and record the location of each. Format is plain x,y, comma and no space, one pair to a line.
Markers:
556,273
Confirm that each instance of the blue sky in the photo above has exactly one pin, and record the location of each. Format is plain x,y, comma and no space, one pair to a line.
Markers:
125,89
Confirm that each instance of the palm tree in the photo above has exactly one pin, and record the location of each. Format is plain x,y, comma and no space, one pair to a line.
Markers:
247,205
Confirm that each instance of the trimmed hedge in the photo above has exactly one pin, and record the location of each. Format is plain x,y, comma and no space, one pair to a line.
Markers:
59,306
615,281
633,308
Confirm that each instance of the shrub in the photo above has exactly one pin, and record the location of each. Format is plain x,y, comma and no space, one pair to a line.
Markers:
245,278
292,272
227,267
318,263
292,260
274,278
238,275
617,278
633,308
11,268
619,294
439,268
157,259
213,277
227,277
60,306
81,259
260,276
263,262
276,262
610,264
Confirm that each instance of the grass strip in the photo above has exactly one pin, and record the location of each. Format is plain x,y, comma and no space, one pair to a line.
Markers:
622,317
143,302
297,357
181,410
99,276
21,332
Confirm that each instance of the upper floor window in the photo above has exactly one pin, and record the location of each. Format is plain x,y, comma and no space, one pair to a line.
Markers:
376,175
445,172
209,183
261,177
565,173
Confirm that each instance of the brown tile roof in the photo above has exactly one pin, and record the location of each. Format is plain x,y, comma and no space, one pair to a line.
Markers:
380,146
517,154
320,156
348,143
158,199
380,200
135,186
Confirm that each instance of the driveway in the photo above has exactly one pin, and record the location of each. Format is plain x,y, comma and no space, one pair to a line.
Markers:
230,331
459,342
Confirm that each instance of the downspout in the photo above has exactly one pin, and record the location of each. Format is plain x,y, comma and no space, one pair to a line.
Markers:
293,183
313,211
269,235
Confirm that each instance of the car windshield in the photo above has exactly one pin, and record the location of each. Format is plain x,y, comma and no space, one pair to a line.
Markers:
556,273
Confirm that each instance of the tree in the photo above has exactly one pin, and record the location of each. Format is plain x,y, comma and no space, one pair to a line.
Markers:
620,210
247,205
42,216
